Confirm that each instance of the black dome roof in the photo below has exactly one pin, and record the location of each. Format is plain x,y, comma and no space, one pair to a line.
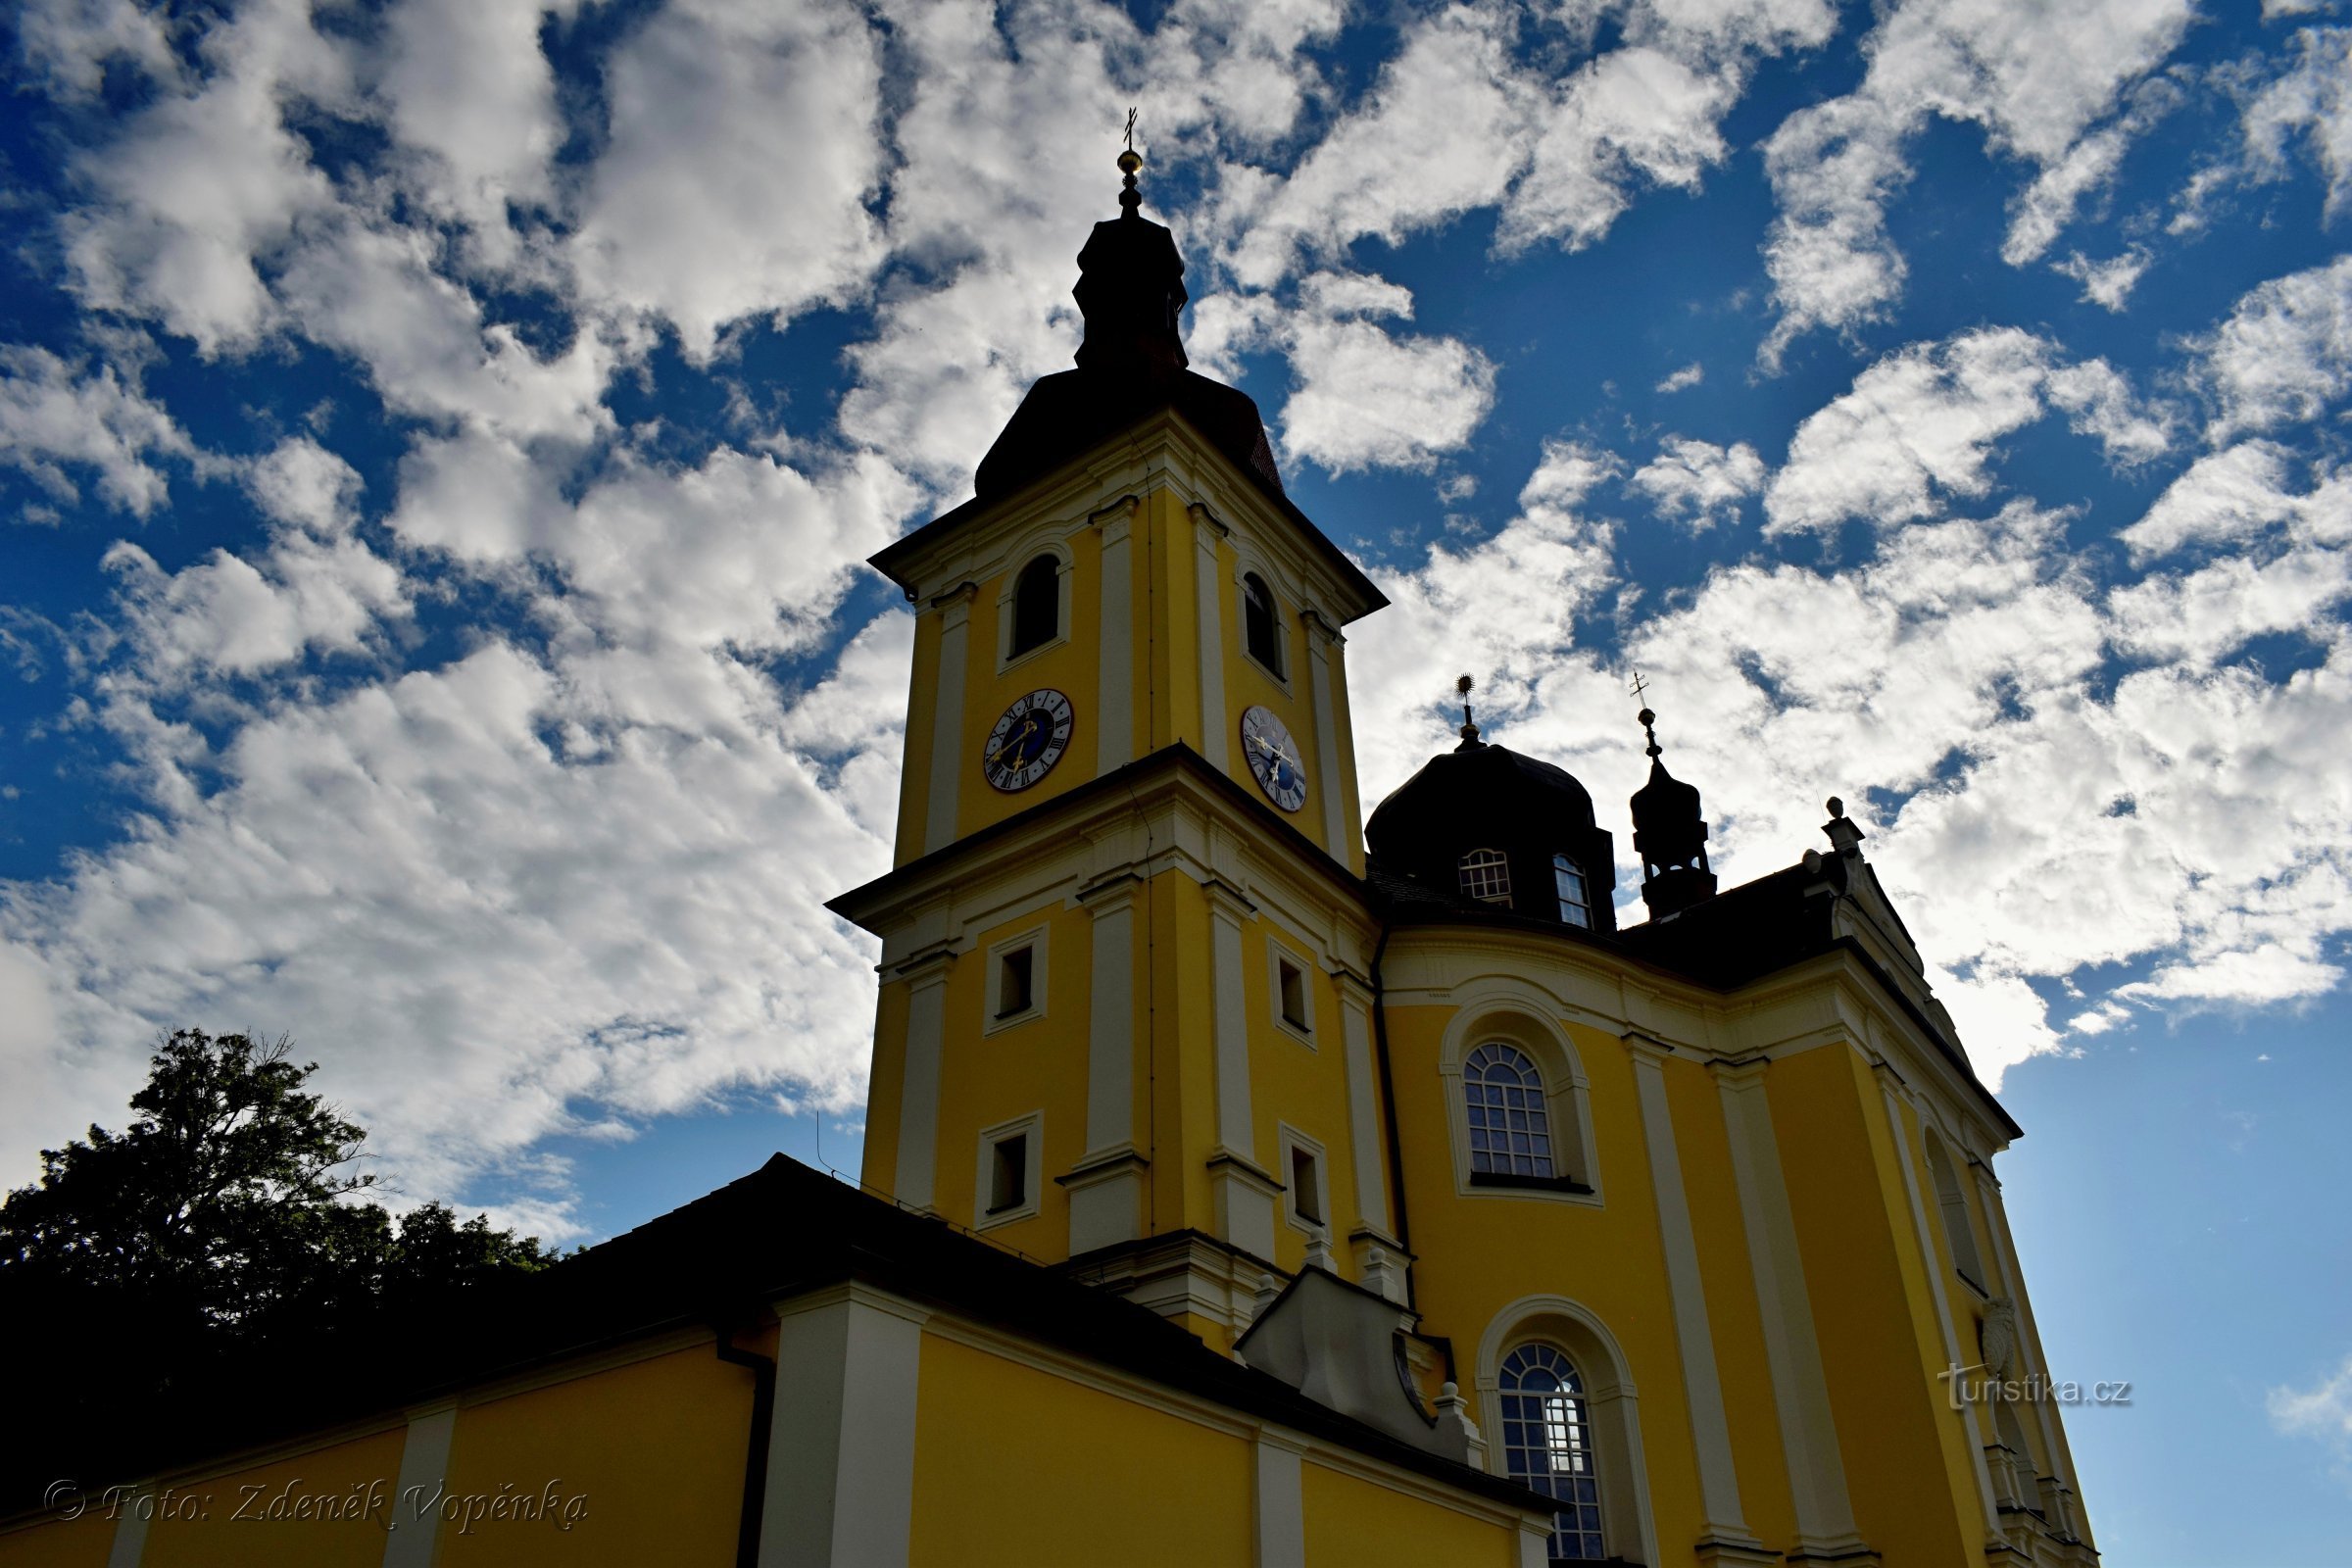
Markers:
1490,797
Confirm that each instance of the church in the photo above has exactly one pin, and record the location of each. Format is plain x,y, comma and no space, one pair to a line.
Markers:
1246,1182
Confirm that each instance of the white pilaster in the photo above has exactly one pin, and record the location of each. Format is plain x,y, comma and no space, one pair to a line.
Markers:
129,1544
1114,719
1281,1507
947,719
1207,530
1245,1194
1338,832
1106,1188
424,1472
1824,1515
1937,1278
1710,1430
2059,1461
841,1450
918,1093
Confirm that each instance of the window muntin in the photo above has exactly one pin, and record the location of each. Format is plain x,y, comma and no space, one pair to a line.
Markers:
1547,1445
1487,876
1576,903
1510,1128
1036,605
1261,626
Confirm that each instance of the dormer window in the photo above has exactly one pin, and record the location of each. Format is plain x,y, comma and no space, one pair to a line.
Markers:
1036,605
1576,905
1261,625
1486,876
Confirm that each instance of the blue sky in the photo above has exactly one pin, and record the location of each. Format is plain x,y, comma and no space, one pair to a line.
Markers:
437,441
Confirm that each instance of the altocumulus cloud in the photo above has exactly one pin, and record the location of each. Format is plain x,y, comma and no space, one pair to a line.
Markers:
523,699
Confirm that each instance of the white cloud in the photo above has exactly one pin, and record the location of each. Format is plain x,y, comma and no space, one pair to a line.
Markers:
744,146
1699,483
2107,283
1922,428
2311,100
2284,355
468,88
1690,376
2037,78
1365,397
56,418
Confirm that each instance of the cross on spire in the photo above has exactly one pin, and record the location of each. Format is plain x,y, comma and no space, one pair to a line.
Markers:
1131,130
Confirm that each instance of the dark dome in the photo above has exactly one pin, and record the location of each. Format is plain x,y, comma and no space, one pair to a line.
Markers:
1492,797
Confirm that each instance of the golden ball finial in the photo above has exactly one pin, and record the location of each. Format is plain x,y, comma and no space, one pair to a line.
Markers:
1130,161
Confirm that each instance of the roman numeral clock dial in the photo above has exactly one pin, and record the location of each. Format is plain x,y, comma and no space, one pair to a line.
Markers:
1027,741
1274,759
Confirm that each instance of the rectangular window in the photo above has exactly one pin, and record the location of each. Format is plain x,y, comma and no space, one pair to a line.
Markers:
1575,906
1014,972
1009,1182
1292,982
1306,1192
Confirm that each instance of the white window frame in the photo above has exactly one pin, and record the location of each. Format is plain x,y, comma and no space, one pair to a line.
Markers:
1244,570
1292,1139
1033,939
1016,561
1612,1410
1527,1019
1561,860
1501,862
1279,953
1032,1159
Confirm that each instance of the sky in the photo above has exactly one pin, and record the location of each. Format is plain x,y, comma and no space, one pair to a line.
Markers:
438,441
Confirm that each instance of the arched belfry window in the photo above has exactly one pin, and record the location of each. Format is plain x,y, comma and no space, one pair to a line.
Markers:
1261,626
1547,1445
1510,1131
1036,605
1568,881
1487,874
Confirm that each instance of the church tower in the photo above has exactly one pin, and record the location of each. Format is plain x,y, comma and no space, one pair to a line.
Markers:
1688,1225
1125,1004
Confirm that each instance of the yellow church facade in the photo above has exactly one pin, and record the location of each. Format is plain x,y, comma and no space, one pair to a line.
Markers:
1244,1183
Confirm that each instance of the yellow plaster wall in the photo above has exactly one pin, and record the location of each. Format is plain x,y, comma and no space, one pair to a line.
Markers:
885,1088
1880,1347
54,1542
656,1448
1020,1467
1351,1522
1303,1085
344,1472
915,759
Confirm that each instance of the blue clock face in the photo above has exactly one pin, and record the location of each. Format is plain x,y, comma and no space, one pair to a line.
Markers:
1274,759
1027,741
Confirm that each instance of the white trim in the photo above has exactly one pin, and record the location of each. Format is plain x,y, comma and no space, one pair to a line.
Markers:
1291,1138
918,1087
1337,836
1229,1000
1278,1508
1114,697
1824,1517
1110,1024
130,1542
1363,1112
1279,953
1522,1017
1710,1427
841,1452
1017,562
946,722
1211,631
423,1466
1031,1127
1243,570
1933,1268
1612,1404
992,1018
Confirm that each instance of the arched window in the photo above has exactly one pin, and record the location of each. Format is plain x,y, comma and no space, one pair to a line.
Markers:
1262,627
1036,605
1510,1132
1547,1443
1487,876
1576,905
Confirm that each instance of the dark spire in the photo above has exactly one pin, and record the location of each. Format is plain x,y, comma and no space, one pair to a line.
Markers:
1470,738
1131,288
1669,835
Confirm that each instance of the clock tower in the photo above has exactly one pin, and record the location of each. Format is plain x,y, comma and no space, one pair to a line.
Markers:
1124,1009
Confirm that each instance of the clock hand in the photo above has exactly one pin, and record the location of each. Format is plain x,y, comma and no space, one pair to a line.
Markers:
1027,729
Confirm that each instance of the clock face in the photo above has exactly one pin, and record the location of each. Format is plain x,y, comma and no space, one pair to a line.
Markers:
1274,759
1027,741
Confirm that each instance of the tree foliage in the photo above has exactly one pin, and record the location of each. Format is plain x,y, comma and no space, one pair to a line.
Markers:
229,1216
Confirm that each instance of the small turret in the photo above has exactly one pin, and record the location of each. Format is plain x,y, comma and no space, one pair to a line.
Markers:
1670,836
